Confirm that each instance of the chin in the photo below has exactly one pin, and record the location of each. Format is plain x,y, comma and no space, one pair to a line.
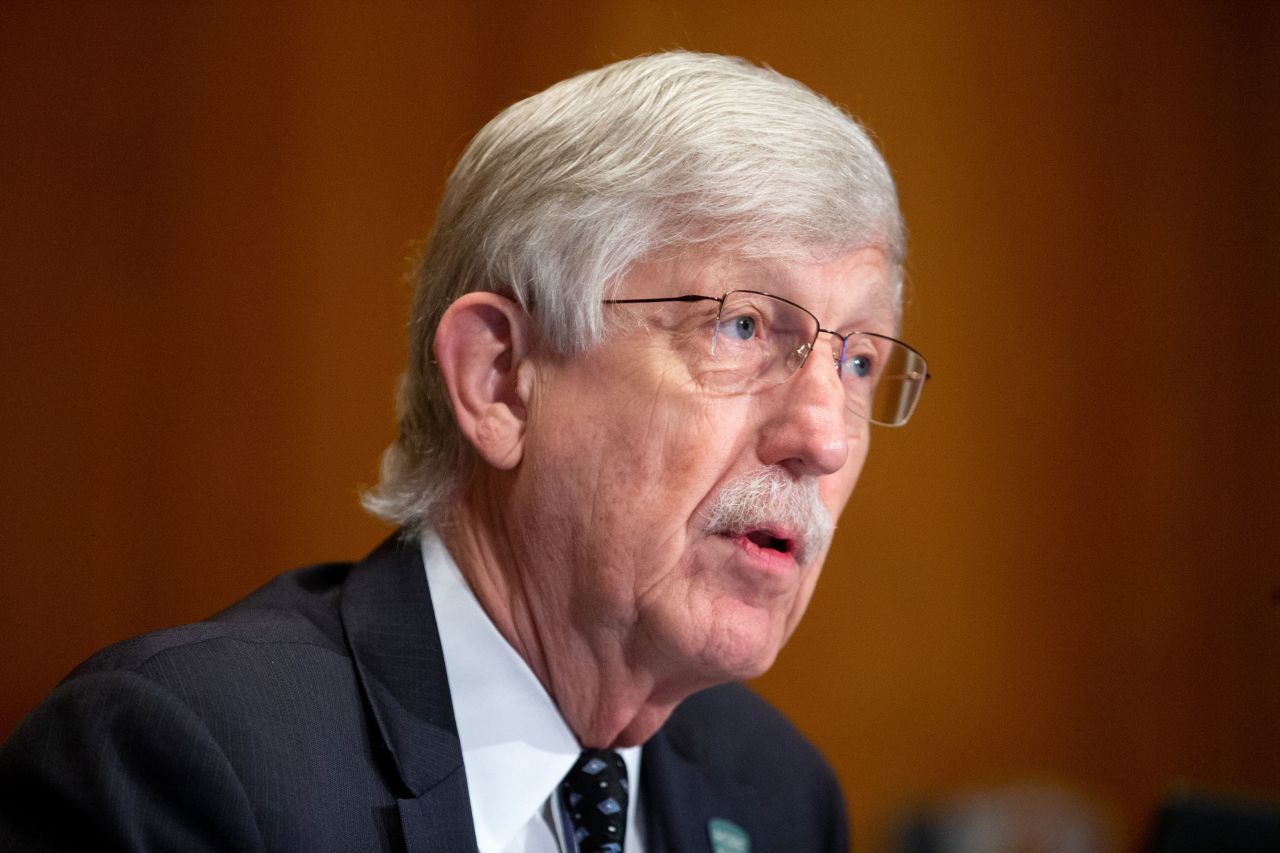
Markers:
740,669
740,656
747,670
721,639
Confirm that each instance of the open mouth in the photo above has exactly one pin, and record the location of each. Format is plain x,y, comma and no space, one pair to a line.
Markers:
765,539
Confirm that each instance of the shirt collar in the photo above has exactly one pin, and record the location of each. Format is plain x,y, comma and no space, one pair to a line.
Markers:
515,745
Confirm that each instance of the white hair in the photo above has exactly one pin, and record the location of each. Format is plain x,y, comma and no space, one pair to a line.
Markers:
557,197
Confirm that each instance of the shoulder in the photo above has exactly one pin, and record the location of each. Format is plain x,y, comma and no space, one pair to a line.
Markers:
201,736
296,608
269,679
286,636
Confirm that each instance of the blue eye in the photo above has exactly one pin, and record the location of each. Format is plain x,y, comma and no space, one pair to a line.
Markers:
858,365
744,328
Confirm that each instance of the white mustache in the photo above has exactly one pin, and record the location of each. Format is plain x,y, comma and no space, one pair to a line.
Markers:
770,498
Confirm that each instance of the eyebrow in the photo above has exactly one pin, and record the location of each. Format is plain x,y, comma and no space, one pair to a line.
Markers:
881,308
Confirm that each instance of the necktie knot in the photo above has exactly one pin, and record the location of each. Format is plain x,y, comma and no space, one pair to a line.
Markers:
594,798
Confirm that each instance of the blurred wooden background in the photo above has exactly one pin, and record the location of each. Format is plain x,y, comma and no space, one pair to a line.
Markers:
1066,570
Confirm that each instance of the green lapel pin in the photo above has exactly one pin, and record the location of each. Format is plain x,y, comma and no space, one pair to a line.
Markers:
727,837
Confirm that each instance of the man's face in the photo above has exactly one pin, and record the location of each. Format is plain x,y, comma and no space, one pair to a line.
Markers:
626,450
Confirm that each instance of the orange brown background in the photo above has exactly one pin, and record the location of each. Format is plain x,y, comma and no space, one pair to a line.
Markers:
1066,570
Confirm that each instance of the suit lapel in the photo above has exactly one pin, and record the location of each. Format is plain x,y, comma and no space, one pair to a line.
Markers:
678,801
391,630
439,821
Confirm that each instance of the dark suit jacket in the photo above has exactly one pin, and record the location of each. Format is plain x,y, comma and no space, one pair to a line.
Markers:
315,715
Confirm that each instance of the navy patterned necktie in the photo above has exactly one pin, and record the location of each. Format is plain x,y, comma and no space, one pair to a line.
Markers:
593,797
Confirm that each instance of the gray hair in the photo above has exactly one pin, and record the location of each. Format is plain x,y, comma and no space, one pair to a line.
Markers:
556,198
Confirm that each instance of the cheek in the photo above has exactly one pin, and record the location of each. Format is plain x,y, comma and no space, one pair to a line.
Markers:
836,489
631,465
666,453
801,603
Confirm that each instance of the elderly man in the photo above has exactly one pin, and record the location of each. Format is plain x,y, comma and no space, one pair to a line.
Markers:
650,330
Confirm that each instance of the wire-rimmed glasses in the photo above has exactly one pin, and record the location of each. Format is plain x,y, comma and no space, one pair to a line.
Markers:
757,339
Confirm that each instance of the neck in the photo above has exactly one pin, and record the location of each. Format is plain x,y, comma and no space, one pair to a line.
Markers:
604,689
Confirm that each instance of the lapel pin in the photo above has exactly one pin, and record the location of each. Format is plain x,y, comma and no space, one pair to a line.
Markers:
727,837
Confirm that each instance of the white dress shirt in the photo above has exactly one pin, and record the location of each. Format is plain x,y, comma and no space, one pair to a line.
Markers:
515,745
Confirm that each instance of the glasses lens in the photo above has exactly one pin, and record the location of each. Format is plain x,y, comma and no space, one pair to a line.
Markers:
758,340
882,378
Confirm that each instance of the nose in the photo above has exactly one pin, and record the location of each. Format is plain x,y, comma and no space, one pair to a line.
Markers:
807,429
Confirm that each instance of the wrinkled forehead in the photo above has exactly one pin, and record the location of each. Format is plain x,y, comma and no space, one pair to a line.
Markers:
850,290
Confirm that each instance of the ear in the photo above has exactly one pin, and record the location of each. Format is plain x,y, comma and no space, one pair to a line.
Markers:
481,346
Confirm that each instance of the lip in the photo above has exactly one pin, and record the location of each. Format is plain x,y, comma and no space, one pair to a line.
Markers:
767,560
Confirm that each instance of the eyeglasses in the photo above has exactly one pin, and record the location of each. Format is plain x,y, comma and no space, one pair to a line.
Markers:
757,339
